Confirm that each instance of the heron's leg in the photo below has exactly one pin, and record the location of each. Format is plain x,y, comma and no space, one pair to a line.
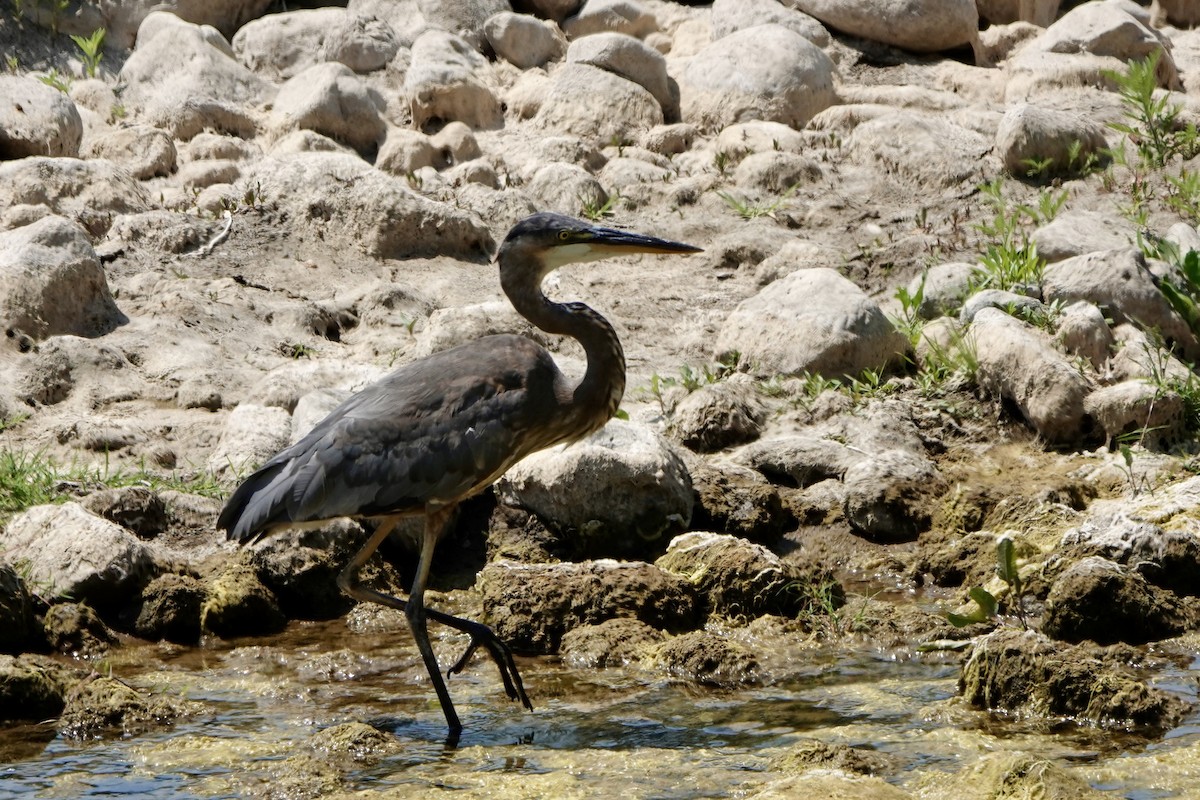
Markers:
414,608
483,635
435,521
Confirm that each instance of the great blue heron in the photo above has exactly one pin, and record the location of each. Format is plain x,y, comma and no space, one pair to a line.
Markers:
441,429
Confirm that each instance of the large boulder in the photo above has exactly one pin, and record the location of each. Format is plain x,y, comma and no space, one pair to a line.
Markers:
1029,137
729,16
633,60
185,78
741,580
342,199
924,26
142,150
52,283
789,80
280,46
448,80
923,147
331,100
79,554
252,434
91,192
523,40
623,491
36,120
812,320
593,103
1020,363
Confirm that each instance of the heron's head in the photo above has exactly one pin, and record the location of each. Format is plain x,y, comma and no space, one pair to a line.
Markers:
552,240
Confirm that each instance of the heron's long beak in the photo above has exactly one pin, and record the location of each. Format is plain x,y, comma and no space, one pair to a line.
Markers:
610,241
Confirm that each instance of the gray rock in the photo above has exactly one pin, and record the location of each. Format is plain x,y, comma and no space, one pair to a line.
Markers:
633,60
238,604
618,16
596,104
621,492
891,496
1019,305
708,659
52,283
943,288
1020,364
348,203
449,327
279,46
1169,558
226,16
1138,407
30,688
777,173
143,151
1076,233
301,567
813,320
924,26
74,629
406,151
533,606
1107,29
737,579
718,415
565,188
1082,330
78,554
789,80
185,78
331,100
1180,13
923,147
1121,284
91,192
135,508
739,501
170,609
1029,135
729,16
616,642
465,18
36,120
364,44
251,435
446,82
456,144
1018,671
522,40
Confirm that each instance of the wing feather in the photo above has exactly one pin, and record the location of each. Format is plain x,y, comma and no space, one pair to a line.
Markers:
435,430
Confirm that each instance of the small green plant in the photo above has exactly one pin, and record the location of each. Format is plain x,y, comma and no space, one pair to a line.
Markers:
296,350
986,604
722,161
593,209
91,48
748,210
690,379
60,82
910,322
1010,260
1155,132
12,62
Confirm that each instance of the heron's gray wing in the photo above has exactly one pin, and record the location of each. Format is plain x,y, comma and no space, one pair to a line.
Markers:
433,431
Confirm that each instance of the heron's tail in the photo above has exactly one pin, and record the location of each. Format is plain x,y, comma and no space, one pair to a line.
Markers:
254,507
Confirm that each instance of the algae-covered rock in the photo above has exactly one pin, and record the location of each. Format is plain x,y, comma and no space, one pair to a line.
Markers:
103,703
533,605
355,740
239,605
740,579
18,626
1010,776
738,501
75,629
612,643
707,658
29,689
810,754
1024,671
171,607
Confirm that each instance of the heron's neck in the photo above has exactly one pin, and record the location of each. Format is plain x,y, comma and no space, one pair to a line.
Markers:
597,396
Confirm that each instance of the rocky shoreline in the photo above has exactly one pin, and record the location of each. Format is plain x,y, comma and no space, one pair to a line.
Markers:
937,356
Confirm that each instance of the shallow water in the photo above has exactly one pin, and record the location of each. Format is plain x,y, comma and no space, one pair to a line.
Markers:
615,732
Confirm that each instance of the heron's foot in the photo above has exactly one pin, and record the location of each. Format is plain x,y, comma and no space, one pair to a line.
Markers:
483,636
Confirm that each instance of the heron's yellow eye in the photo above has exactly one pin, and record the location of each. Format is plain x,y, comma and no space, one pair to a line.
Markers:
564,235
